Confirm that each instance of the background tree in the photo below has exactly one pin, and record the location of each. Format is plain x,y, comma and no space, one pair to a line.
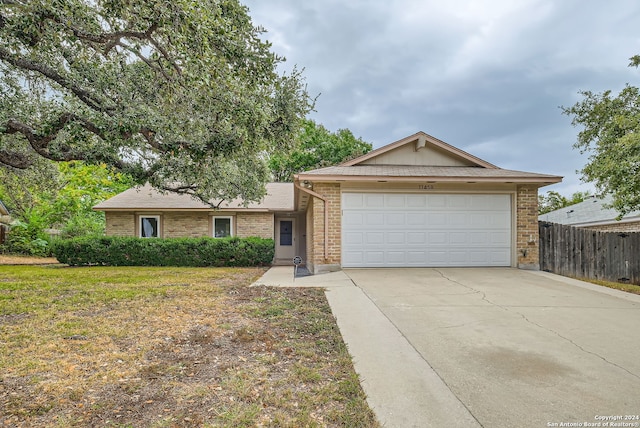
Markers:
51,195
611,136
554,201
317,147
183,94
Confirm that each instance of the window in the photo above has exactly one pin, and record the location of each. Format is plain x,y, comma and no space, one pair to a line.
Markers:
150,226
286,232
222,227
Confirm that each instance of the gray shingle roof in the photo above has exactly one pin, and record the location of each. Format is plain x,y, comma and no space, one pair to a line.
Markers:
279,198
427,172
589,211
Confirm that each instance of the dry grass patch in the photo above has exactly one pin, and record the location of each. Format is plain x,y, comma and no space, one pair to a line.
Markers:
169,347
9,259
629,288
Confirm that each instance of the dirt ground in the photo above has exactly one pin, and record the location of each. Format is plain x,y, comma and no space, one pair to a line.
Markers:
26,260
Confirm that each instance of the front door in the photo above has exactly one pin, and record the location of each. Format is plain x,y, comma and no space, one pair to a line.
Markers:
285,239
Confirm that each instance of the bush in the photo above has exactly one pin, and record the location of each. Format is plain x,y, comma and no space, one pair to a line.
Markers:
196,252
82,225
27,239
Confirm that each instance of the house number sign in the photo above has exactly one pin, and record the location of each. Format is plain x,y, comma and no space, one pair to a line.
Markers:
426,186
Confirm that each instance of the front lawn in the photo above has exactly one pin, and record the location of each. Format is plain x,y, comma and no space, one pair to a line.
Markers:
170,347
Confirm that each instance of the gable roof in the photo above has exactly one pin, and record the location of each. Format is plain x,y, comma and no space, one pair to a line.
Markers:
421,157
279,197
590,212
421,140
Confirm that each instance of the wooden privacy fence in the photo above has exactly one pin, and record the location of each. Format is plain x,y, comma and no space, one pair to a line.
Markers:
584,253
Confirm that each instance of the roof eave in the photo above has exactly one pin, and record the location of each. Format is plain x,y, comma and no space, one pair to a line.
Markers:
212,210
546,180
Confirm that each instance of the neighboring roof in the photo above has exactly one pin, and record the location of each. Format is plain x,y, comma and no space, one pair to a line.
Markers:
3,209
279,197
421,157
590,212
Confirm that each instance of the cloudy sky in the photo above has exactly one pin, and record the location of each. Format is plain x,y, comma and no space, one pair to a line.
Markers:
487,76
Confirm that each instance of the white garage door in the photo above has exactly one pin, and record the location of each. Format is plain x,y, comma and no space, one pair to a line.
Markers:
428,230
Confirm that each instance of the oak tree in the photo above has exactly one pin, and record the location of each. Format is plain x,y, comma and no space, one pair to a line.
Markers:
183,94
611,135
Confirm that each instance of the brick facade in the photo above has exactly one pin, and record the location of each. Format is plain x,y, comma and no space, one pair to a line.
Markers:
185,224
120,224
632,226
527,245
310,237
190,224
254,224
317,259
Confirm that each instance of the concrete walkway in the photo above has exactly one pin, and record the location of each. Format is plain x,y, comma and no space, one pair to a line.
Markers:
401,387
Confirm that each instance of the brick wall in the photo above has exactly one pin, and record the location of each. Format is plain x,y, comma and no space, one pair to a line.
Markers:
310,237
330,260
120,224
617,227
254,224
527,227
191,224
185,224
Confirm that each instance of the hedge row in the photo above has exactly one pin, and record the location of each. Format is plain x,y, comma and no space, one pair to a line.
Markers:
120,251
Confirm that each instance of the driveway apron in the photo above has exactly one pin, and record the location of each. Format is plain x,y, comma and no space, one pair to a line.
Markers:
514,348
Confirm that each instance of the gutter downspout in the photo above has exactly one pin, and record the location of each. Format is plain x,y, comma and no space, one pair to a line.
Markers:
326,215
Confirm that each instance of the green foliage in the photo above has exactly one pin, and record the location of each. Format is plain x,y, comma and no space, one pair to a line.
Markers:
25,190
183,94
611,135
554,201
28,238
195,252
316,148
59,196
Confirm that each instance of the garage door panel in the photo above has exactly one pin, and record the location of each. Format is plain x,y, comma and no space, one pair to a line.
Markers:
396,238
373,219
500,238
416,219
375,257
416,201
437,238
395,201
436,220
417,238
351,219
396,257
351,239
372,200
395,219
374,238
352,200
426,230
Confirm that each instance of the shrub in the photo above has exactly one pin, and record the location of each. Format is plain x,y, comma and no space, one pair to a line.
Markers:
28,239
125,251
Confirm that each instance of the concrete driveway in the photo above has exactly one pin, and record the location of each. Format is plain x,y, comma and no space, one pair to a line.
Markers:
494,347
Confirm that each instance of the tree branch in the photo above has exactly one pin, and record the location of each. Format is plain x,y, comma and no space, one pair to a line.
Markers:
15,159
84,95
